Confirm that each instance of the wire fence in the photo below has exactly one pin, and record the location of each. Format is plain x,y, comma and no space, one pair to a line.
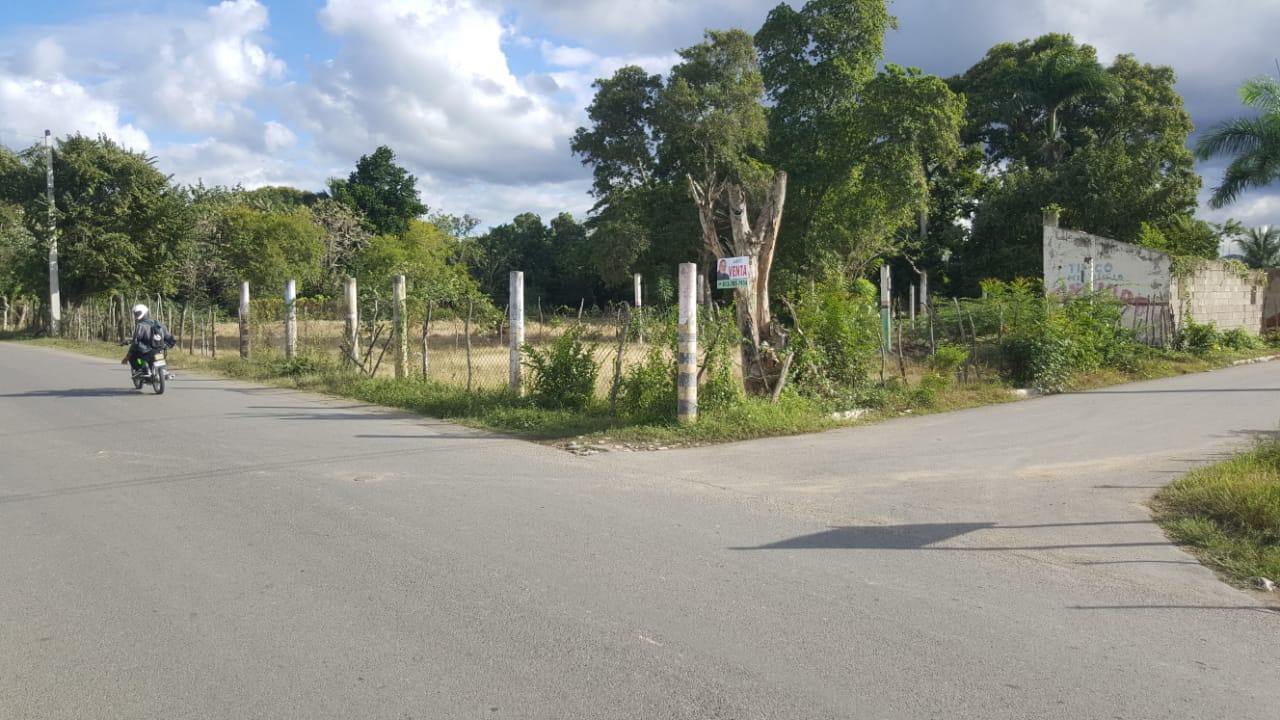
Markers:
467,346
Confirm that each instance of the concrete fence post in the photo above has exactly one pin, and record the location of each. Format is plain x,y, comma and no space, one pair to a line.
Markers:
290,319
885,320
353,321
687,350
399,331
244,320
924,291
515,310
639,304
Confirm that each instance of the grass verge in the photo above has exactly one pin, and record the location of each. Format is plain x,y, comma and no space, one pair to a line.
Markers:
1228,514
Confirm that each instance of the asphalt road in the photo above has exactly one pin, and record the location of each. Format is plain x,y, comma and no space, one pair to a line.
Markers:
233,552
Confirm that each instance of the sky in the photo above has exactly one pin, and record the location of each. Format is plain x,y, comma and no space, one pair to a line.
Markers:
479,98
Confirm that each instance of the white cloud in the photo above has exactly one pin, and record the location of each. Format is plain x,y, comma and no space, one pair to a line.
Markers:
571,57
63,107
214,162
277,137
431,80
197,74
47,58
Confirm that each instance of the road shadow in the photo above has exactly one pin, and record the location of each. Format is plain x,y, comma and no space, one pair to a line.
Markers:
1236,608
1193,391
923,536
75,393
875,537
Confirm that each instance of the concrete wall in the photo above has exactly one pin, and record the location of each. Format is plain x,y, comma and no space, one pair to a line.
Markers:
1271,306
1074,261
1221,294
1216,292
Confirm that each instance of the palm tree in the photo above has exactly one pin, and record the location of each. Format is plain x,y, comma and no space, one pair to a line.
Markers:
1254,143
1261,246
1053,81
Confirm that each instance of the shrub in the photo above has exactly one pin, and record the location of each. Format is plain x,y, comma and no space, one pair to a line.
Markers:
1240,339
720,389
947,359
649,389
565,375
1197,338
837,338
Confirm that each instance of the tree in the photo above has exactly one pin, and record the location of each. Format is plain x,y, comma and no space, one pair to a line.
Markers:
1112,153
343,235
860,146
266,249
1253,142
424,255
1261,246
620,146
121,224
713,126
523,244
384,193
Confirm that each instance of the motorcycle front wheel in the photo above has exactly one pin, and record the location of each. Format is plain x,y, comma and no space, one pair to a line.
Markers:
137,383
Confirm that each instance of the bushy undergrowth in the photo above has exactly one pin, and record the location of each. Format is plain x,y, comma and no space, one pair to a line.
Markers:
1080,335
564,375
837,338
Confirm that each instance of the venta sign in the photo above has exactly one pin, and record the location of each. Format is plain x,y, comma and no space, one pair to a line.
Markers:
732,272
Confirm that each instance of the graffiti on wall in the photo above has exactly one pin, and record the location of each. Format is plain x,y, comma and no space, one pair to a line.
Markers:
1131,274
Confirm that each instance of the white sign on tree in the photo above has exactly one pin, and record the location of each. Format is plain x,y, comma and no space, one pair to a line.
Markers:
732,272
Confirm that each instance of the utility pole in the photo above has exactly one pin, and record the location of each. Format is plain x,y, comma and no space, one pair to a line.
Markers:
55,296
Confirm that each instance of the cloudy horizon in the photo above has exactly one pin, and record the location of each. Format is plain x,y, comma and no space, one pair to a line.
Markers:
479,98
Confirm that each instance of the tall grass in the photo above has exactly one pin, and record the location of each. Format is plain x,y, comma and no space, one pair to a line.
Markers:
1229,513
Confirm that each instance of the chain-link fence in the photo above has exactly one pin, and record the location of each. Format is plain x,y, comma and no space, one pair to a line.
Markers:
467,344
460,344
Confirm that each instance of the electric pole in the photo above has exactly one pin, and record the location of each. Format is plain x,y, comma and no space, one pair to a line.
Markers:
55,299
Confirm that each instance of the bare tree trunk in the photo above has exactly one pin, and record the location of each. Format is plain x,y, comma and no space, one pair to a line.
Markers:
763,338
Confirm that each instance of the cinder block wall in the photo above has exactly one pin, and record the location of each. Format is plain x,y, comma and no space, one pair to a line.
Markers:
1271,307
1218,294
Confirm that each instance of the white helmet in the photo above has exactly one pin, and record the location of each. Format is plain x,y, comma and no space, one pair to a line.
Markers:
139,311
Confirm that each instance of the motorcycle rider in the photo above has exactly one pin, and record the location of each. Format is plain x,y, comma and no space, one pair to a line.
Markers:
145,329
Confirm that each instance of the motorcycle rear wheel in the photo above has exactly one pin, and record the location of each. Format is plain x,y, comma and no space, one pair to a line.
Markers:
157,381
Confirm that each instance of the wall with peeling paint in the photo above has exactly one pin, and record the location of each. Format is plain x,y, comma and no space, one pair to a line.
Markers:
1075,261
1154,297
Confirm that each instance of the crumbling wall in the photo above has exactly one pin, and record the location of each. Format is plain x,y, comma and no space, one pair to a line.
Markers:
1075,262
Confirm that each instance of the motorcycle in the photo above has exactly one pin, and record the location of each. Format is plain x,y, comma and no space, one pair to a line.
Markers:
150,368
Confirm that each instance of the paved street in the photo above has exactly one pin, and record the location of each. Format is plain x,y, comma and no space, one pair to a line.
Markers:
229,551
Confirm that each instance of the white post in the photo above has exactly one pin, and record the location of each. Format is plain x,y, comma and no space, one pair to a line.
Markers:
687,349
399,325
912,303
55,295
924,291
290,319
353,320
639,306
885,321
515,309
244,320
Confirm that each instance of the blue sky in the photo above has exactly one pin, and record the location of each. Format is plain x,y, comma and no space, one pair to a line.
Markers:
478,98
